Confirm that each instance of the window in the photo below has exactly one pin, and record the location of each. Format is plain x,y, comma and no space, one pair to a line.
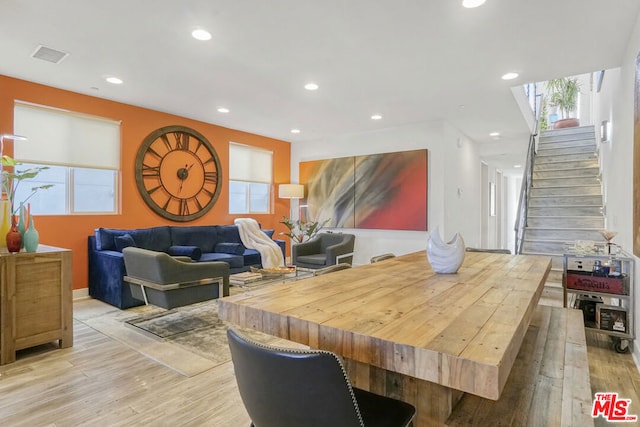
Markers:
82,154
250,179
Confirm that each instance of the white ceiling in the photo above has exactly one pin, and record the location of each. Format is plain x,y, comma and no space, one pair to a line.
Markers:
409,60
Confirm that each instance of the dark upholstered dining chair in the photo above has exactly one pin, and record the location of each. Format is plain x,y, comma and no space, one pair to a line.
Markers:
331,269
382,257
492,251
306,388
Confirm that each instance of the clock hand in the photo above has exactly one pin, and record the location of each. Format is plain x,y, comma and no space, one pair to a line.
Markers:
183,174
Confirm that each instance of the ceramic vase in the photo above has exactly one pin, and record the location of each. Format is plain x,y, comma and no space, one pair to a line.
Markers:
14,238
22,223
31,237
445,257
5,224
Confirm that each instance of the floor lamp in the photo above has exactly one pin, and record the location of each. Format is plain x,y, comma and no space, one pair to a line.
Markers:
291,191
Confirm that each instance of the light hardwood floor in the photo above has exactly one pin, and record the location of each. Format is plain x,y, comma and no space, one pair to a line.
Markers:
101,382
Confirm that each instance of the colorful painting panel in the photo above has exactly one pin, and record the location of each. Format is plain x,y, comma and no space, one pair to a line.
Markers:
381,191
330,191
391,191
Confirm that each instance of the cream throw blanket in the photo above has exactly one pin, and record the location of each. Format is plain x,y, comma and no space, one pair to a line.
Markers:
254,238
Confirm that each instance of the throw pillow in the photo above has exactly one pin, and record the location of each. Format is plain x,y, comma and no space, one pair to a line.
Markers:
230,248
124,241
269,233
193,252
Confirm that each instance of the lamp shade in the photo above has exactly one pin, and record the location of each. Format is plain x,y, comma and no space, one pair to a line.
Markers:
291,191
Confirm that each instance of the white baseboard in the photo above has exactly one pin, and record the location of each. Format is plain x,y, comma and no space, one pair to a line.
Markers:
80,293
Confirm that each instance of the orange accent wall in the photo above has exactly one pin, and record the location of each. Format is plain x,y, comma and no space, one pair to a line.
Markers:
71,231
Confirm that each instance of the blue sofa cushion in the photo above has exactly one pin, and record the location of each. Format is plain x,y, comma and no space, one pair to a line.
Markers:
229,234
124,241
230,248
105,238
252,257
154,238
269,233
234,261
205,237
192,252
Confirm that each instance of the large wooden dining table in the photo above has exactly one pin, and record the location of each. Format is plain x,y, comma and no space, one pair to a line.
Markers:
405,331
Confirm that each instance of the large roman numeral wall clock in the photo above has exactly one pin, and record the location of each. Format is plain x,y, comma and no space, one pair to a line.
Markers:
178,173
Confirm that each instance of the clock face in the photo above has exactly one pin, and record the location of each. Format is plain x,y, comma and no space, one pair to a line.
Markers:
178,173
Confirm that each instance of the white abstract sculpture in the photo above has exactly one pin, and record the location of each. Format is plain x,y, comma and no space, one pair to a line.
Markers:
445,257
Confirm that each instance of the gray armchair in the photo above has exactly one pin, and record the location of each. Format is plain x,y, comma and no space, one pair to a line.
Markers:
324,250
160,279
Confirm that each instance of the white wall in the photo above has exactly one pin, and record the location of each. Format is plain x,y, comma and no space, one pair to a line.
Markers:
604,111
617,159
514,185
453,164
462,171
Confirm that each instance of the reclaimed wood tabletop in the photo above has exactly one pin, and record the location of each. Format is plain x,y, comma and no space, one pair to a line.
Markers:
406,331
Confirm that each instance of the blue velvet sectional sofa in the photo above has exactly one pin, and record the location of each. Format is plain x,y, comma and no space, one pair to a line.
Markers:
200,243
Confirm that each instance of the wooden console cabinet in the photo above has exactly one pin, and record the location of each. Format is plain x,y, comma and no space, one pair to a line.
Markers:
35,300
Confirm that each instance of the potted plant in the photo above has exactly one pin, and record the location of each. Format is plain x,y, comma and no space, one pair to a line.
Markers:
299,230
564,95
16,234
11,181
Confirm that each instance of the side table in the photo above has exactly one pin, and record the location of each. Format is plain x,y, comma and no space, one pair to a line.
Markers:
36,303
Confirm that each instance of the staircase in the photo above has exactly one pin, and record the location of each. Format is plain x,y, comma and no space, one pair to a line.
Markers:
565,202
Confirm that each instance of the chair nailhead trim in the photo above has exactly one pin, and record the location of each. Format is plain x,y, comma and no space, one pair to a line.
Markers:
300,351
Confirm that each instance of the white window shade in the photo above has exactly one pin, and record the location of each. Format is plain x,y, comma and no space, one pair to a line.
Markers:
64,138
249,164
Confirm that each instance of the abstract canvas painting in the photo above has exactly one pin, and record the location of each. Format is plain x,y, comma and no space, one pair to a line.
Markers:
330,189
380,191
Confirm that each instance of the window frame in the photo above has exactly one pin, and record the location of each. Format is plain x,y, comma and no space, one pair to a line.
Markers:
114,138
248,182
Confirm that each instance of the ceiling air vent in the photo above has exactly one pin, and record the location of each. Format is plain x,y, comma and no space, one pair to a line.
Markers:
49,54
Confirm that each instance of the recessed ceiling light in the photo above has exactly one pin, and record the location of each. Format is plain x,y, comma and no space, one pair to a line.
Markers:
295,130
472,3
311,86
223,110
494,134
200,34
517,166
114,80
510,76
376,117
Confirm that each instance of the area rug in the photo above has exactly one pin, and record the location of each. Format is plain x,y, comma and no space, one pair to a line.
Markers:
195,327
190,339
165,325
